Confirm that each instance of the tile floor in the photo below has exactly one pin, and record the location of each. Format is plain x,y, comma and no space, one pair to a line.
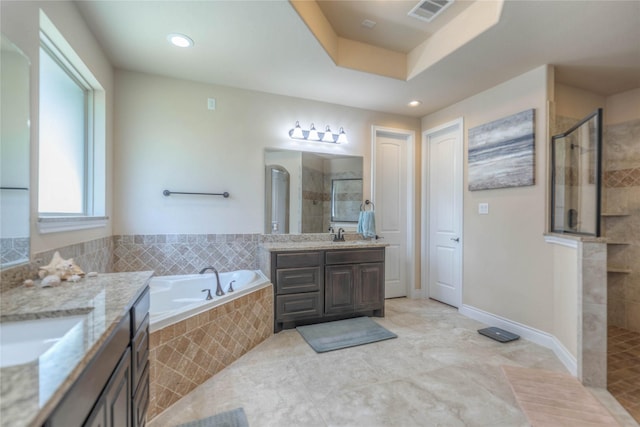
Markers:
623,368
438,372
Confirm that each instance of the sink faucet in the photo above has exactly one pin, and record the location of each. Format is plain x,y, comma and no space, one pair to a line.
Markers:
340,236
219,291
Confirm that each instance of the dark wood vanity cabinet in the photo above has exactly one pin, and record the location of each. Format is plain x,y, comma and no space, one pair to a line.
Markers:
113,391
317,286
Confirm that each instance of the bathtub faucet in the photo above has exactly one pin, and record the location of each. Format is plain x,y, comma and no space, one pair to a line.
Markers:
219,291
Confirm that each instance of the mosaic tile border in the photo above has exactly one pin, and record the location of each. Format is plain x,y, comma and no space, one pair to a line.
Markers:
622,178
186,354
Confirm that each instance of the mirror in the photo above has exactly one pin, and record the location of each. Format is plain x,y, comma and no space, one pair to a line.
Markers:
346,199
311,177
14,155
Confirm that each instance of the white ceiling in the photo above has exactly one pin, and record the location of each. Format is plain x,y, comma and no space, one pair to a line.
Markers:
265,46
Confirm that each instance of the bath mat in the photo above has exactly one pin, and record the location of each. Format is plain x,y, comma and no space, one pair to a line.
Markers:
234,418
331,336
556,399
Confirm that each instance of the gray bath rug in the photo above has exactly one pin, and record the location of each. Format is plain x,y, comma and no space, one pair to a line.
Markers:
330,336
234,418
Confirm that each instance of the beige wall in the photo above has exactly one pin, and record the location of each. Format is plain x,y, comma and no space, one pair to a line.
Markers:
622,107
576,103
20,22
565,296
508,268
166,138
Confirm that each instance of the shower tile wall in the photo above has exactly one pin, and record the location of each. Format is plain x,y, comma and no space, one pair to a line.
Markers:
313,199
13,249
622,195
169,254
328,178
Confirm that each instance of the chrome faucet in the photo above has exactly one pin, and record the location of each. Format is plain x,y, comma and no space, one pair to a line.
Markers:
219,291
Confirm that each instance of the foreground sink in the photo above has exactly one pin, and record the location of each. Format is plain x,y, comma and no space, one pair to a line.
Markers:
24,341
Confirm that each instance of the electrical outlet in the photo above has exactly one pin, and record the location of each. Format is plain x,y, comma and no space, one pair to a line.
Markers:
211,103
483,208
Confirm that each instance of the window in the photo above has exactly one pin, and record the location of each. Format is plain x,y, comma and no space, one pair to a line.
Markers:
71,170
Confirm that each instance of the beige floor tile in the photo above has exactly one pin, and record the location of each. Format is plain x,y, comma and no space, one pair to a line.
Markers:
438,372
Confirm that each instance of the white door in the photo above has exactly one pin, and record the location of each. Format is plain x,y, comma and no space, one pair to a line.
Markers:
443,150
392,195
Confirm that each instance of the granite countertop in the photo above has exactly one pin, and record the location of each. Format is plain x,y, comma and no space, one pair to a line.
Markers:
322,245
29,392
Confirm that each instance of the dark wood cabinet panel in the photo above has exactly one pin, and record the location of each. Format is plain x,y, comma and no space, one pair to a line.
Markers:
369,294
298,280
298,259
114,407
317,286
140,353
298,306
141,400
339,289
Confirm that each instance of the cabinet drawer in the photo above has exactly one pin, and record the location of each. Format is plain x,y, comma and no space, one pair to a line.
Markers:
139,353
298,280
298,259
139,311
298,306
356,256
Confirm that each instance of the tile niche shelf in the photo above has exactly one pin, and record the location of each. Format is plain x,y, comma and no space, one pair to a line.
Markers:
616,269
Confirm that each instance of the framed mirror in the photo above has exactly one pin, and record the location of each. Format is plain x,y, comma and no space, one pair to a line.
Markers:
14,155
346,199
310,177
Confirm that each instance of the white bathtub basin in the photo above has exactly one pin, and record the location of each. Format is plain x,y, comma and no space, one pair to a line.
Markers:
24,341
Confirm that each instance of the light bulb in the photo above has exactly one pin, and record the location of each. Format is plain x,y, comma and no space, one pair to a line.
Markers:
342,137
313,134
328,136
296,132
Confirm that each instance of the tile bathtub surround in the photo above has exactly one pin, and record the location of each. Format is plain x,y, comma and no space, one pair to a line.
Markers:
439,371
170,254
184,355
94,255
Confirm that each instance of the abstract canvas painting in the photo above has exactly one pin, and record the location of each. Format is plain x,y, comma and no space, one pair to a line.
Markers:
501,153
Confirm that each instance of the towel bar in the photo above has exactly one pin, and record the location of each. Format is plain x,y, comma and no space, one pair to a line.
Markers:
367,202
167,193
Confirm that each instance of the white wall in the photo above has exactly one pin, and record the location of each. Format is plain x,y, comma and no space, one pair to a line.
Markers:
166,138
508,268
20,22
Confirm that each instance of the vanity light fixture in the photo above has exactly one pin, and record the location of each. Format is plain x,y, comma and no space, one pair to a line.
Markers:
180,40
313,135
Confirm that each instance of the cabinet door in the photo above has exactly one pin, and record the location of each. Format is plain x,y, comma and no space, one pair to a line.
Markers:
118,395
369,290
339,287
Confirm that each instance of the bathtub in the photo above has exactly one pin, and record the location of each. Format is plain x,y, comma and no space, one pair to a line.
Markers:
175,298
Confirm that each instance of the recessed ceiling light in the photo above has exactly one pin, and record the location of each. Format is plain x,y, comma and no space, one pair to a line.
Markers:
180,40
415,103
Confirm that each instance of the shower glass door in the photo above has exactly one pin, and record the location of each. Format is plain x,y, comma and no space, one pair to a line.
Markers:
576,171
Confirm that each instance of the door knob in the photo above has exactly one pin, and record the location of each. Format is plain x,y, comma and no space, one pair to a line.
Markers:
455,239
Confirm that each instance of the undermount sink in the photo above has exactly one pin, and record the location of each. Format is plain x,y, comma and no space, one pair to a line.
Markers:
26,340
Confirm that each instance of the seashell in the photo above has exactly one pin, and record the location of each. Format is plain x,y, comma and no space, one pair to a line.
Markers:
28,283
74,278
92,274
63,268
48,281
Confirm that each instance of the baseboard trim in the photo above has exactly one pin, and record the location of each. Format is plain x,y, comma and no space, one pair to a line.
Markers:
531,334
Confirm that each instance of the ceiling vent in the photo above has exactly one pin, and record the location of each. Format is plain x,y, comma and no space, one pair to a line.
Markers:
427,10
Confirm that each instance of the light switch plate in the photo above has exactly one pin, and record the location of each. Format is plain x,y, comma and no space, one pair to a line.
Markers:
483,208
211,103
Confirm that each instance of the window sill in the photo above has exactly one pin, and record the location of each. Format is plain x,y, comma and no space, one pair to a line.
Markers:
59,224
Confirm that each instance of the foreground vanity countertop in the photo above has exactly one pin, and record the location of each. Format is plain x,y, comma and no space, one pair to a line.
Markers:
322,245
30,391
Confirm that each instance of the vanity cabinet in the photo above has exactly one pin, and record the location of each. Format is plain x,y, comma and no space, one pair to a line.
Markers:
113,391
318,286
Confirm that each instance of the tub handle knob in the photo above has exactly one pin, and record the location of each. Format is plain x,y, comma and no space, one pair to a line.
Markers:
231,286
208,291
